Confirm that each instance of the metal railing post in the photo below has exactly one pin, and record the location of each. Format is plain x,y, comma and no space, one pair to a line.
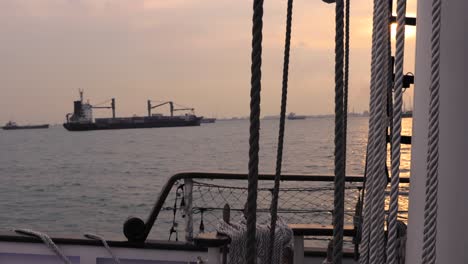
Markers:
188,189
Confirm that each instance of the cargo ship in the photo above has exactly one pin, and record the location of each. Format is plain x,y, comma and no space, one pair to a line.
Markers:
82,117
13,126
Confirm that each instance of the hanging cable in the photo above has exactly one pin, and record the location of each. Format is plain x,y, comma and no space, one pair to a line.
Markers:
430,209
254,147
376,141
392,250
346,79
279,154
339,183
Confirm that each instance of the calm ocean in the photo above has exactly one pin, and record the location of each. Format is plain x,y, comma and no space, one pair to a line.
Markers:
67,183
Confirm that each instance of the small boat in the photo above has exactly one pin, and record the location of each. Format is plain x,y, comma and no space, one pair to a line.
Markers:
293,116
208,120
13,126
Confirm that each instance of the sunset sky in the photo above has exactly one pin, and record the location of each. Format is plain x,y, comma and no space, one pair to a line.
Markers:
193,52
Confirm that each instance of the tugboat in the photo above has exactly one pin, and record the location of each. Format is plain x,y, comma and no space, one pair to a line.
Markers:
293,116
13,126
82,118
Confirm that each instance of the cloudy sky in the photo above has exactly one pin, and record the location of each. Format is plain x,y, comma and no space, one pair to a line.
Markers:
194,52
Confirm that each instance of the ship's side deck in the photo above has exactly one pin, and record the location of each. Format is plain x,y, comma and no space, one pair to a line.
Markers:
16,249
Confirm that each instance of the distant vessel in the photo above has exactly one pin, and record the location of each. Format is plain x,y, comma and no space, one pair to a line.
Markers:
13,126
293,116
208,120
82,118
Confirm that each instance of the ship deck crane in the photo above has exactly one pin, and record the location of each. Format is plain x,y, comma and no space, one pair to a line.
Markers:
171,107
112,106
150,107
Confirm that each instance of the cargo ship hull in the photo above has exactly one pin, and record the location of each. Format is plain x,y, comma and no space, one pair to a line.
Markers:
131,123
25,127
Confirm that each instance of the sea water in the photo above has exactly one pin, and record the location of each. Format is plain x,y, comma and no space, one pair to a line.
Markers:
68,183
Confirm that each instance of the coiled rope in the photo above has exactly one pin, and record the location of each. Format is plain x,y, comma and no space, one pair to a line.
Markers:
339,182
375,180
430,209
392,250
279,154
254,129
47,241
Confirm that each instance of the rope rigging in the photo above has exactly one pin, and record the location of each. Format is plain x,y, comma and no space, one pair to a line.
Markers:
254,148
375,180
392,250
430,209
279,155
339,183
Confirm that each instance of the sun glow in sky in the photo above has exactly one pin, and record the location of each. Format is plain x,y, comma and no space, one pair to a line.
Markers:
194,52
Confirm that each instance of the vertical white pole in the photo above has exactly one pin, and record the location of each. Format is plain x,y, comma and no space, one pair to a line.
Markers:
452,219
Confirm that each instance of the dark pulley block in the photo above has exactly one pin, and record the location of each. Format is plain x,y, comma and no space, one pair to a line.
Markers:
409,21
408,79
134,229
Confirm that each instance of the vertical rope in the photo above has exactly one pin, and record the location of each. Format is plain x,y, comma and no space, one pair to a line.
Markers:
377,172
430,209
254,129
376,141
338,211
392,250
346,80
279,154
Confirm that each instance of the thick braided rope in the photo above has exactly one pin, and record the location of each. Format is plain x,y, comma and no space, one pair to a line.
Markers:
369,181
346,80
375,146
254,129
47,241
392,243
377,167
339,192
104,243
386,123
279,154
430,209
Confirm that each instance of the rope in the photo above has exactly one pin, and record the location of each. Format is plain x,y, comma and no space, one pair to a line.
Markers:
47,241
430,209
392,250
376,141
346,79
104,242
338,212
254,129
279,154
377,248
237,232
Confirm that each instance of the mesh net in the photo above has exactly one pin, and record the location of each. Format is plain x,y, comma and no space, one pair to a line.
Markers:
305,202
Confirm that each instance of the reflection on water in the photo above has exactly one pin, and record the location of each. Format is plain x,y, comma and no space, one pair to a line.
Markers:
405,162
